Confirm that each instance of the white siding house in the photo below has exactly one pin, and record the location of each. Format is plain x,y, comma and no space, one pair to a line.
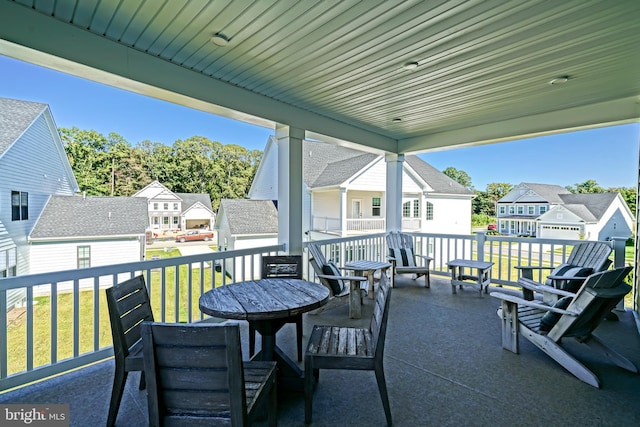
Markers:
177,211
80,232
552,212
33,166
344,192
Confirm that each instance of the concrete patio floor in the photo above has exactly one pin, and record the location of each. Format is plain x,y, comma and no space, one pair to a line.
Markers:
444,366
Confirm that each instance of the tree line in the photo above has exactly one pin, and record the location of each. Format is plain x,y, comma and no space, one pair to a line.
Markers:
484,204
111,166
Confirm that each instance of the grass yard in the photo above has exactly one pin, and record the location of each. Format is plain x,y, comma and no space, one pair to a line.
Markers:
175,296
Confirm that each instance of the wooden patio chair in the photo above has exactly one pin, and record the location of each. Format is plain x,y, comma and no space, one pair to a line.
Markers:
573,316
128,305
196,376
281,266
334,347
330,276
403,257
585,259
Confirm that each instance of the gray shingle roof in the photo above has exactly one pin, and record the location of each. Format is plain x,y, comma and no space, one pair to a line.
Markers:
190,199
328,165
15,117
440,182
590,207
550,193
250,216
75,216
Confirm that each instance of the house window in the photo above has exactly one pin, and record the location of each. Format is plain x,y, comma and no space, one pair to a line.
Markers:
165,220
155,206
8,263
406,210
512,210
416,209
84,256
156,221
175,206
503,209
543,209
429,216
375,206
165,206
531,210
520,210
175,220
19,206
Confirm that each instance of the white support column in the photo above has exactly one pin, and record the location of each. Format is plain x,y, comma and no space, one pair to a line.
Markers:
343,212
290,186
394,191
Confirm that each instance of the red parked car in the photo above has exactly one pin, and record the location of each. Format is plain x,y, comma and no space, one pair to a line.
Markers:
194,235
492,227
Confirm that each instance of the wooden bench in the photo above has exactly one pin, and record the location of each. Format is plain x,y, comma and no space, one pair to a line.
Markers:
334,347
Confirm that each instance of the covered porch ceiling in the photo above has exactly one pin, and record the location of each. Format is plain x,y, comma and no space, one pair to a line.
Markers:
481,68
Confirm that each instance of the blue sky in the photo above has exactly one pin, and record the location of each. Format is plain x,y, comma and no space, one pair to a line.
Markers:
607,155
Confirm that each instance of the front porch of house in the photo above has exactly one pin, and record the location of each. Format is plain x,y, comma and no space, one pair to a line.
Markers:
444,366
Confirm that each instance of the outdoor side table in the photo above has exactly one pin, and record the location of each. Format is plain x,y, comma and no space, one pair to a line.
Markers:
459,276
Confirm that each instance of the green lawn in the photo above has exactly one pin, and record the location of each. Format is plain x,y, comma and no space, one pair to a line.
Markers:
42,310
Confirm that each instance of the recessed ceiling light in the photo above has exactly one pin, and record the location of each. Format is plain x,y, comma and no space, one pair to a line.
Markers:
220,39
559,80
410,65
396,120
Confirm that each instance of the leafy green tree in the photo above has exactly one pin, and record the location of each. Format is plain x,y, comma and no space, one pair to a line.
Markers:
589,186
629,194
459,176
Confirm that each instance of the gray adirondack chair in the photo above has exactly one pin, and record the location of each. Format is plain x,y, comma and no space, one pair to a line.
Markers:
403,258
318,262
574,316
590,255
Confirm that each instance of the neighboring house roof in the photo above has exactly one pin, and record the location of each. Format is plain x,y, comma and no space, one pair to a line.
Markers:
327,165
438,181
544,193
77,216
15,117
590,207
190,199
246,216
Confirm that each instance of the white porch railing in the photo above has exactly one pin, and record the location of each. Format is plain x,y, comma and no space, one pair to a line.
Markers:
74,303
70,307
366,224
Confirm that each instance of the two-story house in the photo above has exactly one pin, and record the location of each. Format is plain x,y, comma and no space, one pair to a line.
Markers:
177,211
344,192
33,166
553,212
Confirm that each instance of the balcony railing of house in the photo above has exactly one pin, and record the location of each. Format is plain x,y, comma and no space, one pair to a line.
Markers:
328,224
64,323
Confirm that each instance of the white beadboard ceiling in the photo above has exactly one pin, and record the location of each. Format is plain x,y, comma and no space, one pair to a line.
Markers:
334,68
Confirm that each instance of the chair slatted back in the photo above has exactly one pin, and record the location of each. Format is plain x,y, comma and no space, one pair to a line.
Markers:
282,266
396,239
128,304
378,325
593,255
598,295
194,374
316,255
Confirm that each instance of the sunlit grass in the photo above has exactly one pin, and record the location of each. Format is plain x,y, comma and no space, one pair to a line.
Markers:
64,316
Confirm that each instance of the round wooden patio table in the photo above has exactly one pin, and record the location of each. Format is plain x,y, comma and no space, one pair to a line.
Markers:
268,304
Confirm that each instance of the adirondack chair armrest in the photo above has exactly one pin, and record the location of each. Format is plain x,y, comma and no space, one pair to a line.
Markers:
533,304
425,257
534,267
356,278
555,277
541,288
